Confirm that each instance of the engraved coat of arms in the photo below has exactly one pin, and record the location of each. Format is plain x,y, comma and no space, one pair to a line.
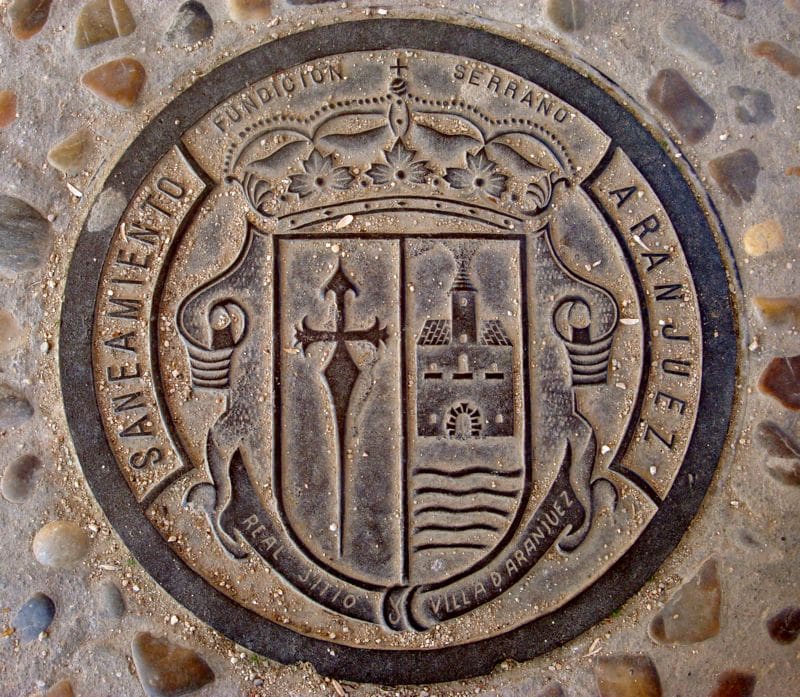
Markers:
400,314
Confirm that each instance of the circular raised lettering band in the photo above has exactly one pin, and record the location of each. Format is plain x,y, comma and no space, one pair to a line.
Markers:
403,354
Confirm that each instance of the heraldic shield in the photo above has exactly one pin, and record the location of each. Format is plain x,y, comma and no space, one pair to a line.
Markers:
400,438
411,380
449,449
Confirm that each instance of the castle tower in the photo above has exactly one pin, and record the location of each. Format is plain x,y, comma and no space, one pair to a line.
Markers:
465,312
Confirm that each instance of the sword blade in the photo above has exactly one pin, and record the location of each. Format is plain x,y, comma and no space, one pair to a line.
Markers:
341,374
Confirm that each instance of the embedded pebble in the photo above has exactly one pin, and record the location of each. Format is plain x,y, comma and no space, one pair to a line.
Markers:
106,210
777,441
627,676
63,688
554,690
733,8
779,309
790,476
10,331
784,627
20,478
15,410
737,174
60,544
102,20
8,108
166,669
34,617
781,380
567,15
793,5
763,238
684,35
692,613
250,10
112,604
118,82
191,24
779,56
28,17
755,106
735,684
755,545
71,155
24,235
781,444
692,117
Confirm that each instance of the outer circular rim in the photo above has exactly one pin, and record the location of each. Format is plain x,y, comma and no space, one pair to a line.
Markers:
639,562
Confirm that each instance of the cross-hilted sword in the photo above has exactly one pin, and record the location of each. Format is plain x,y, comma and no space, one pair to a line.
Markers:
341,372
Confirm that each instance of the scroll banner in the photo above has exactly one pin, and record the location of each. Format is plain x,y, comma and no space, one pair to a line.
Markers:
402,608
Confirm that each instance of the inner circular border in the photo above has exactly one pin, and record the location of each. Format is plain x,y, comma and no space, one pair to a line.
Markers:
640,561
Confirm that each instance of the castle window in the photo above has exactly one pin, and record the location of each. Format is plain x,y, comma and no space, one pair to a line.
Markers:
463,372
494,374
433,372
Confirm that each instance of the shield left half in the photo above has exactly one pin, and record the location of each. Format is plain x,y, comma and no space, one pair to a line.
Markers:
339,424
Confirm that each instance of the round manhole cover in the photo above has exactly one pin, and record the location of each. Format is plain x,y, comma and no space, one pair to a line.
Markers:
411,351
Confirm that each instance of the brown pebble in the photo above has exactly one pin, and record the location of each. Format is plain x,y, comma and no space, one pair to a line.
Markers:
784,627
691,115
102,20
792,172
71,155
554,690
692,613
777,55
63,688
762,238
166,669
735,684
777,441
789,476
11,333
778,309
627,676
781,380
20,478
250,10
8,108
567,15
732,8
737,174
28,17
117,82
793,5
60,544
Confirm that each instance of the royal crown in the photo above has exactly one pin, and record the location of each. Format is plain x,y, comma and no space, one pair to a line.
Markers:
398,150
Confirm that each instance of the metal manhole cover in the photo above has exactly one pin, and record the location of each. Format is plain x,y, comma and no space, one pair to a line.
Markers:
411,352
